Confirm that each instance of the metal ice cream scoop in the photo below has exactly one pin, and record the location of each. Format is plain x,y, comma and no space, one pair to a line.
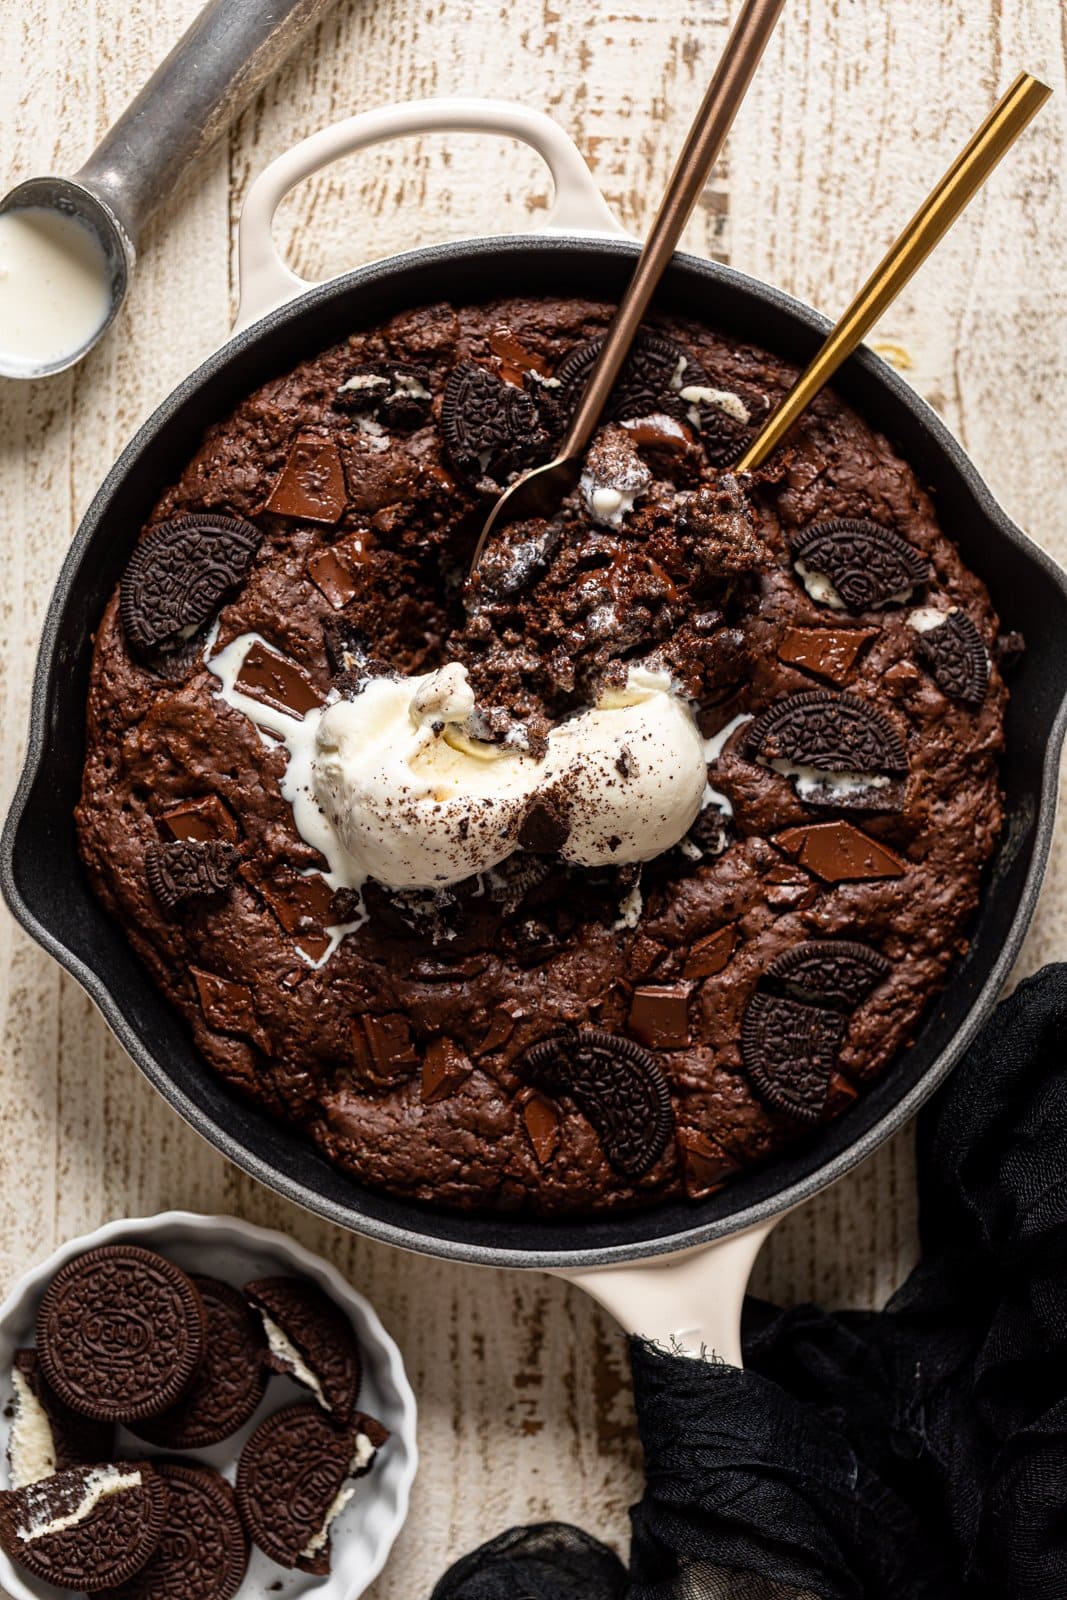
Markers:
68,245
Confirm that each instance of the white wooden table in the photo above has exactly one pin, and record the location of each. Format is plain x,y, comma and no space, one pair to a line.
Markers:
523,1386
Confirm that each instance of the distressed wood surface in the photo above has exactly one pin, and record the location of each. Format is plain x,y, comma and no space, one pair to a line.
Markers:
523,1388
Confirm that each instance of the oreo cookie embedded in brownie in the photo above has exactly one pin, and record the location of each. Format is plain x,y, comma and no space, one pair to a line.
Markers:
595,881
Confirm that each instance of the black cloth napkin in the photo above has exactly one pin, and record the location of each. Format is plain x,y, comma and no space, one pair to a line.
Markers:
917,1453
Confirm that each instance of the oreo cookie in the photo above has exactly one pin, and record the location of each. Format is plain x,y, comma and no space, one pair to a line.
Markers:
852,564
396,393
834,972
229,1383
46,1436
120,1333
955,657
87,1529
189,870
295,1477
491,429
838,750
203,1550
789,1052
616,1085
179,575
310,1339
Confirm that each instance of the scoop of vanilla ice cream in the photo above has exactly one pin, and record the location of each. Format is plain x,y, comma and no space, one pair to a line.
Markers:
414,800
630,773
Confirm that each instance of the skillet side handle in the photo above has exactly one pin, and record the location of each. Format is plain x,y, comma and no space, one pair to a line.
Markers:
689,1304
266,282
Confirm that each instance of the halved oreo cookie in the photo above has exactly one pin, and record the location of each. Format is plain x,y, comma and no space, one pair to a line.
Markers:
616,1085
491,429
834,972
396,393
955,657
46,1436
88,1528
309,1338
789,1052
229,1383
179,575
120,1333
839,750
294,1479
203,1550
855,565
190,870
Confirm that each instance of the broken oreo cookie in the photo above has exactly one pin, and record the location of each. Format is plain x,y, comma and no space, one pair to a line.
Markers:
179,574
955,657
616,1085
120,1333
310,1340
293,1479
189,870
852,564
831,972
395,393
838,750
491,429
789,1051
202,1553
47,1436
87,1529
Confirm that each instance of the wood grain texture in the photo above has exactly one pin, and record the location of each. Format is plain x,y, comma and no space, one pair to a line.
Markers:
522,1384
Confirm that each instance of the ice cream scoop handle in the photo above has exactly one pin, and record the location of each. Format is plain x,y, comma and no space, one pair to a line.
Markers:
218,64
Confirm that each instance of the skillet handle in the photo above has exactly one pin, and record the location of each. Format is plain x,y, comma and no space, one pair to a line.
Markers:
264,279
688,1303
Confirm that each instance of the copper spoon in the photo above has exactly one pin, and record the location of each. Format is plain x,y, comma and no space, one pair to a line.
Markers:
538,493
927,228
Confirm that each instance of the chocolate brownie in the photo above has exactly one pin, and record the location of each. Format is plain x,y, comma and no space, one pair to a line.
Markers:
655,974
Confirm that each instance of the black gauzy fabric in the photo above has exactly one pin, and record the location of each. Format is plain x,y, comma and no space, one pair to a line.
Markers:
918,1453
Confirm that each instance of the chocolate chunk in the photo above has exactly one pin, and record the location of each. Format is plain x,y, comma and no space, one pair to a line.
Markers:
444,1067
659,1015
228,1007
868,565
203,1551
291,1479
1009,649
544,827
304,905
383,1048
711,954
120,1333
277,682
335,571
515,360
312,483
490,429
615,1084
831,971
787,888
188,871
541,1121
322,1353
820,732
118,1513
71,1440
705,1164
179,575
395,392
206,818
229,1382
501,1027
839,853
826,652
955,657
789,1051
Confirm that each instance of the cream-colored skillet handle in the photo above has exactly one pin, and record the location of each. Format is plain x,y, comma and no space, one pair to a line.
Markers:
690,1302
265,281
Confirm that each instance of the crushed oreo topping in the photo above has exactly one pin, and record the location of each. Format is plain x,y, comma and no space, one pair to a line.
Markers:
617,1087
789,1052
868,565
179,574
835,972
189,870
491,429
955,657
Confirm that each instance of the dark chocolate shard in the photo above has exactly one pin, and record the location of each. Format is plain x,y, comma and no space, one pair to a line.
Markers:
867,565
830,971
396,393
206,817
616,1085
659,1015
789,1051
541,1121
491,429
829,653
383,1048
179,575
705,1164
277,681
445,1066
711,954
837,852
188,871
955,657
311,486
228,1007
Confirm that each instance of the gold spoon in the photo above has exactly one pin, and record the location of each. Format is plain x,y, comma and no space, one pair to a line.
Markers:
927,227
538,493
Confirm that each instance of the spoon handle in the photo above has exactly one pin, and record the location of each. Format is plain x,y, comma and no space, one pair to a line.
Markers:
705,140
927,227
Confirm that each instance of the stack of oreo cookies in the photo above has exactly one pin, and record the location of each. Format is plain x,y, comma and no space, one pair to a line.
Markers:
126,1338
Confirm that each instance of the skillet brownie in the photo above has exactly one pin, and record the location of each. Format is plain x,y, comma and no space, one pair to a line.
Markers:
593,882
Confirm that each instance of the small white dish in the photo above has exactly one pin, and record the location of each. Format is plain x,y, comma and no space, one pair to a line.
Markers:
237,1251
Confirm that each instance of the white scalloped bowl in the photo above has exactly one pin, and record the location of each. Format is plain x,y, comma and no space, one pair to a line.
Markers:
237,1251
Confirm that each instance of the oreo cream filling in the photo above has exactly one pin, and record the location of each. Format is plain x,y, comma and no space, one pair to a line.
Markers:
98,1484
31,1450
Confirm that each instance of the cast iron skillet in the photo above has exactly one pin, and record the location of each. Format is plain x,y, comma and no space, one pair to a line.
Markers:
45,887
